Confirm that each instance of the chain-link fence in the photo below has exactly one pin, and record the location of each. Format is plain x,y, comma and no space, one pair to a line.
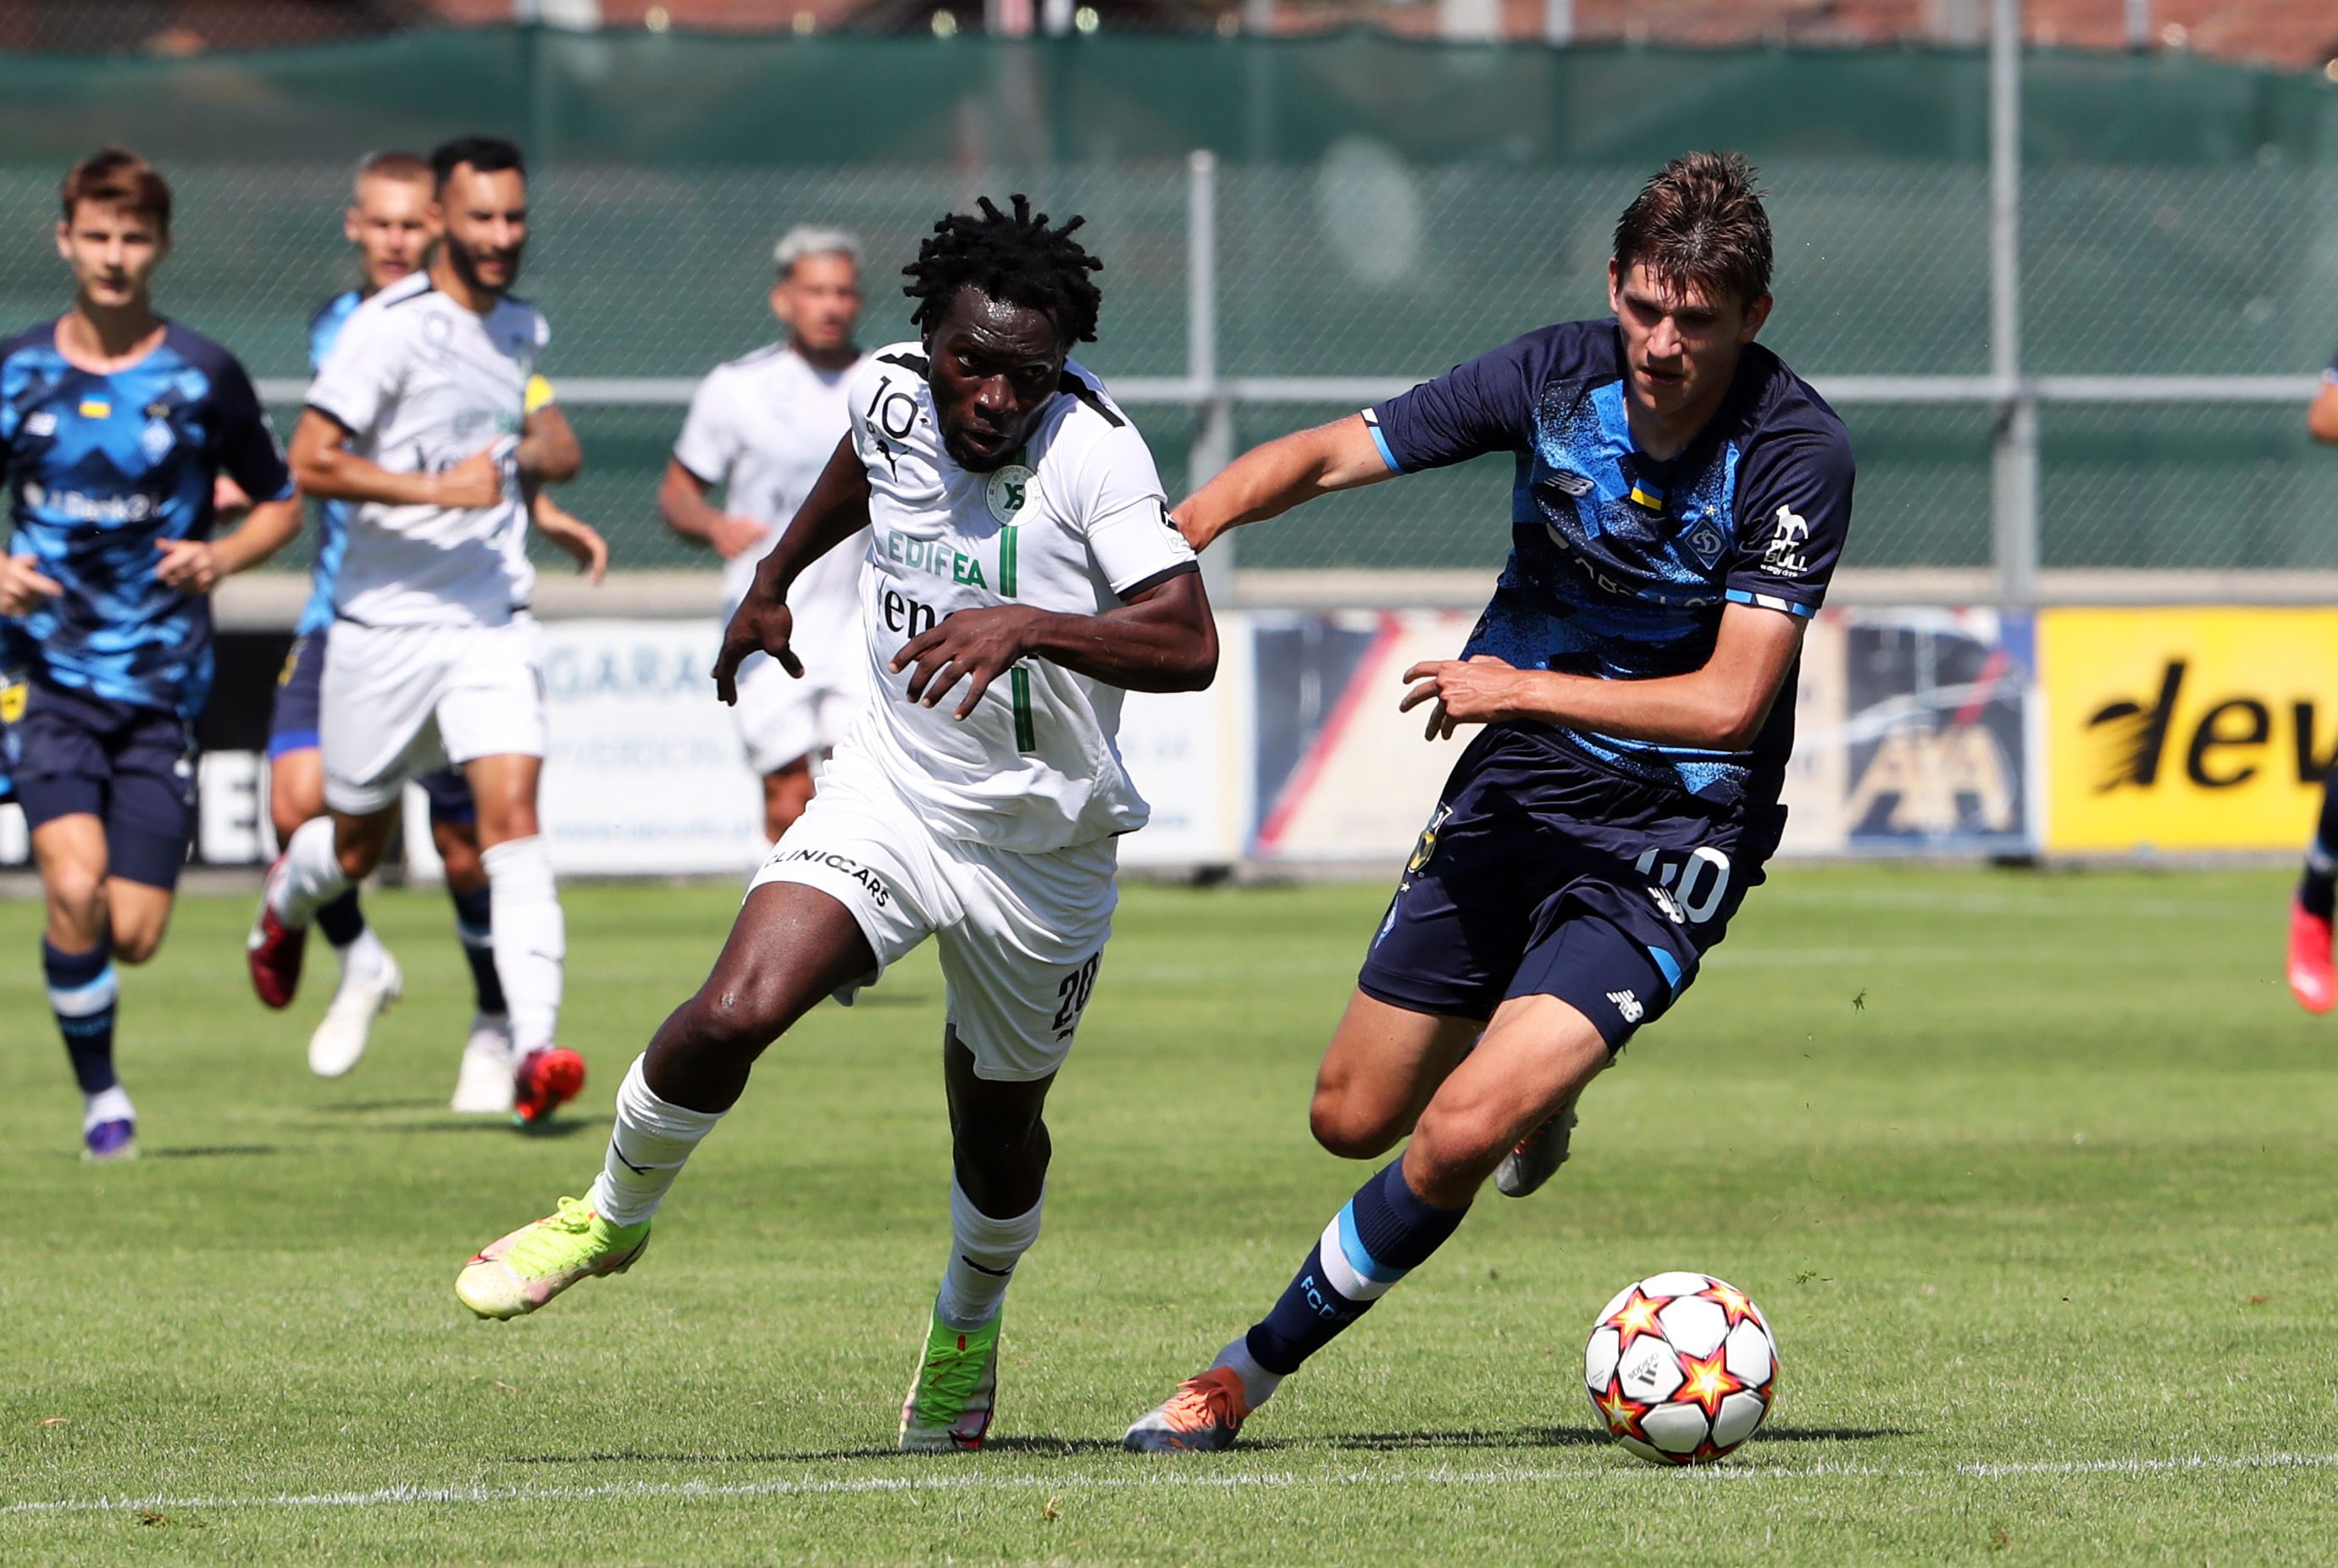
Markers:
1380,212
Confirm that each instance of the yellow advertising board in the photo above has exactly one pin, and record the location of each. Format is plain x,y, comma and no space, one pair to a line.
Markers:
2186,729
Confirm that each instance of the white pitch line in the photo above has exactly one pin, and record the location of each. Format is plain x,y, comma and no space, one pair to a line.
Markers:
412,1496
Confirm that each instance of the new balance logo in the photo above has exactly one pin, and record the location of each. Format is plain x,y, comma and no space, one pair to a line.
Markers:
1626,1003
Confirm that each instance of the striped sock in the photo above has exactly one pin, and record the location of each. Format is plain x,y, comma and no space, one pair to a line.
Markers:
82,992
1385,1232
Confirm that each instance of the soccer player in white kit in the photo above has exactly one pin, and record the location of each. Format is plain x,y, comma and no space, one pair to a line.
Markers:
419,418
762,428
1021,575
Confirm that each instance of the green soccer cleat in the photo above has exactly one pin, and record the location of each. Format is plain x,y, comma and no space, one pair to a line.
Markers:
950,1402
537,1261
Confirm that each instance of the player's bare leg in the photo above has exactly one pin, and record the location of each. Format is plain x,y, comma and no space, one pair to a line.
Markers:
1383,1064
789,947
1536,1057
786,792
1000,1151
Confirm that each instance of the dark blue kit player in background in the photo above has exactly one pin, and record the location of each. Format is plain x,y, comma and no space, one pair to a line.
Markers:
1679,503
116,425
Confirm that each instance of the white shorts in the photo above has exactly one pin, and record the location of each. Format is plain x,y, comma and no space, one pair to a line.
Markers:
1021,935
400,700
783,719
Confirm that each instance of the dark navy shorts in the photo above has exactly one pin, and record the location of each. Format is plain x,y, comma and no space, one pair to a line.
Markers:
292,722
133,769
292,727
1543,873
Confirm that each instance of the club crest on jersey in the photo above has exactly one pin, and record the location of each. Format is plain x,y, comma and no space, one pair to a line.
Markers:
156,440
1704,542
1008,490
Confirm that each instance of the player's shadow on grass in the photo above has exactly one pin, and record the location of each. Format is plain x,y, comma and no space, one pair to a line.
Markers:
210,1150
1340,1442
560,1128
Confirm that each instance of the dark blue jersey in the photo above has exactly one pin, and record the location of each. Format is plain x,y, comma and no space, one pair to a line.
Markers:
1620,564
98,469
332,516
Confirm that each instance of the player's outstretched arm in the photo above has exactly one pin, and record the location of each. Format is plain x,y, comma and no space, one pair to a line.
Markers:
2321,416
325,469
548,451
1161,639
836,509
682,502
1270,480
1722,706
197,565
579,539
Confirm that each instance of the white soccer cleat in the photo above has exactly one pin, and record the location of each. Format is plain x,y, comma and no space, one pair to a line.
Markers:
483,1086
1538,1155
341,1040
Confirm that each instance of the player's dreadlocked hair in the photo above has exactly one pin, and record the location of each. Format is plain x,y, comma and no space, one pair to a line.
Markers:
1011,257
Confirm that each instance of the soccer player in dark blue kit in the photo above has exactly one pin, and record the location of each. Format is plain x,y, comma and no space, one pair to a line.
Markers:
115,425
1681,498
2313,980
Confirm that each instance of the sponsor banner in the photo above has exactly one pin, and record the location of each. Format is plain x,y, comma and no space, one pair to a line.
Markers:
1341,774
1190,754
645,775
2187,728
1912,734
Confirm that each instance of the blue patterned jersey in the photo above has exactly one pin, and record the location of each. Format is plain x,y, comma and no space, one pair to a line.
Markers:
98,469
1620,564
332,516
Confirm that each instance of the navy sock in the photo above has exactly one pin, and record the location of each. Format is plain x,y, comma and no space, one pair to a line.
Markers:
474,923
1385,1231
82,993
2319,891
341,921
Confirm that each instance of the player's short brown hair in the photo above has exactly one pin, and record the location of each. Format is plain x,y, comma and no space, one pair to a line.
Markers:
409,166
119,178
1699,220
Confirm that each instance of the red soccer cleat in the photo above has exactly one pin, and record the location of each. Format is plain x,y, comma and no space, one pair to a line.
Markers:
546,1080
2311,979
274,950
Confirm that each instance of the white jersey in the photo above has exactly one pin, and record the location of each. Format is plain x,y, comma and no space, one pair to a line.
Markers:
1074,522
420,383
762,428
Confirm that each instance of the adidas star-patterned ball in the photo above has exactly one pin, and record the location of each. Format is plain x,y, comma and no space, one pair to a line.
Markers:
1681,1367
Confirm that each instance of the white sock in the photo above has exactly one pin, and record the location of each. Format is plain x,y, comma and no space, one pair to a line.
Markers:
312,875
363,958
983,1255
1258,1384
106,1105
647,1146
530,939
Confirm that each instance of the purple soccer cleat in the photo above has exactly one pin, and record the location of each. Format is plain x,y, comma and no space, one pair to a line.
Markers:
116,1139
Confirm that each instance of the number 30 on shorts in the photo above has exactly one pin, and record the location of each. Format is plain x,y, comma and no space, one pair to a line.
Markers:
1690,884
1072,996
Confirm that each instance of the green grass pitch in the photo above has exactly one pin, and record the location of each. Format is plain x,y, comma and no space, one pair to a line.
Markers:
2035,1176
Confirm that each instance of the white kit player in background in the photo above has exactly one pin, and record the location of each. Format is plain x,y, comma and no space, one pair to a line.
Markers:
1021,574
762,428
420,419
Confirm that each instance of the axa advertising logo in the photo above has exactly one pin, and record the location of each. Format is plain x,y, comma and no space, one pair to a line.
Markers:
2222,745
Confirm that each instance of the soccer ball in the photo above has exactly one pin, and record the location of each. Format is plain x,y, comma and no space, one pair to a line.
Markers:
1681,1367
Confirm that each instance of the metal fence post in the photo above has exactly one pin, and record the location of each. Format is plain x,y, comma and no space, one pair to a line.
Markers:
1214,426
2014,492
